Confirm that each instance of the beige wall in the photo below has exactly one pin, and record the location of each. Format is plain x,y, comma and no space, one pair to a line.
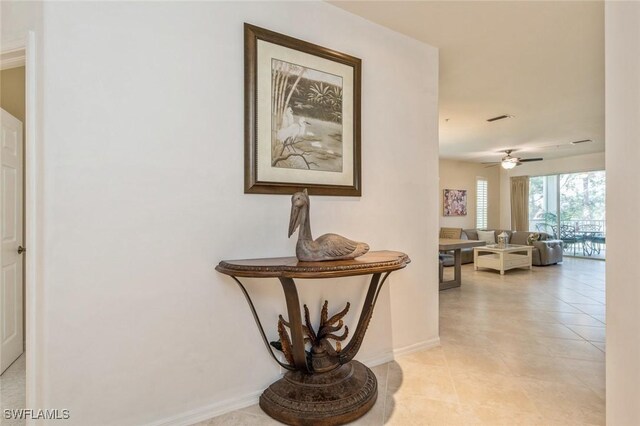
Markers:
622,35
12,97
463,175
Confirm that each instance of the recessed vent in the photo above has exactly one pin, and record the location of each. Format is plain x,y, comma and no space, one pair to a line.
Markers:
500,117
582,141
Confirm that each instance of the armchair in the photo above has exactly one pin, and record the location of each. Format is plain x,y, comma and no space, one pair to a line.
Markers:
545,251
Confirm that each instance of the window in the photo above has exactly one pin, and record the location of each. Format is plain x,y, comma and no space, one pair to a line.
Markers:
571,207
481,203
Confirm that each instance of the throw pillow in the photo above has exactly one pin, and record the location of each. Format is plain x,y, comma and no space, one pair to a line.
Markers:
488,236
533,237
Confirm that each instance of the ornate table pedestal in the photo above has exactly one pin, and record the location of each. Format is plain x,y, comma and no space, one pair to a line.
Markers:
323,386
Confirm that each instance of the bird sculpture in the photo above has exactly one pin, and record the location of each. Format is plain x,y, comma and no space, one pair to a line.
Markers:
327,246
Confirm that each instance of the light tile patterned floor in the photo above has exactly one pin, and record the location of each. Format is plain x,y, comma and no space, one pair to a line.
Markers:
12,390
526,348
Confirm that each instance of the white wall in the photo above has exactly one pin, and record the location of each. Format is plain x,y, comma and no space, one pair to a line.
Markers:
18,17
463,175
574,164
142,168
622,38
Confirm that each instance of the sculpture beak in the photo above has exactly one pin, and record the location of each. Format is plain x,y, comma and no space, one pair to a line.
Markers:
294,220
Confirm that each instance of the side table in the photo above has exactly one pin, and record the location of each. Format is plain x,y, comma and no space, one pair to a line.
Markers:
324,385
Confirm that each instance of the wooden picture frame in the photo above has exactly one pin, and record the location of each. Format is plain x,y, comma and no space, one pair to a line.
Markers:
302,117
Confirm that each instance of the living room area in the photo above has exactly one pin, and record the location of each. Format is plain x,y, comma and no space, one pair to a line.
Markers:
560,206
523,194
537,326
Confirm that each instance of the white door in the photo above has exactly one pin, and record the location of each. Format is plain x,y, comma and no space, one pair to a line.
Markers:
11,257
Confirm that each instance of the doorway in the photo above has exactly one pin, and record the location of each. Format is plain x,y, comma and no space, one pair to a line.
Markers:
12,230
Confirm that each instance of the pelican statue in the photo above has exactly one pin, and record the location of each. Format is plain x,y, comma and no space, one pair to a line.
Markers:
326,247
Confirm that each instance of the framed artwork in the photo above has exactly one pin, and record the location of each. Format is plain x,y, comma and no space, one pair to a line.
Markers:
455,202
302,116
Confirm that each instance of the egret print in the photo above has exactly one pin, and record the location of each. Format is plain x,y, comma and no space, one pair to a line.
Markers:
306,118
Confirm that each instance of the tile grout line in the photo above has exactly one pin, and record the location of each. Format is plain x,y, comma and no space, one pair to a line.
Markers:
453,382
386,388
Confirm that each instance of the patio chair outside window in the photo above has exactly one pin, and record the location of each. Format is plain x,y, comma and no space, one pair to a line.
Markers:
569,237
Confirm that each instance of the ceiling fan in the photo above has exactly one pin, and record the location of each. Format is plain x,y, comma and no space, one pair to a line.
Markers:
508,162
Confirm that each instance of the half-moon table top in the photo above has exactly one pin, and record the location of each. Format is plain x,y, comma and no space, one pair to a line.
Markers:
290,267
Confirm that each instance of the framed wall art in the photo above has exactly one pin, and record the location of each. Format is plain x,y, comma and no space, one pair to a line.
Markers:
455,202
302,116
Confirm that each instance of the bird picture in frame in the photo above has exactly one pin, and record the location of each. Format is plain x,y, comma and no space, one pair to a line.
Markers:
306,118
302,116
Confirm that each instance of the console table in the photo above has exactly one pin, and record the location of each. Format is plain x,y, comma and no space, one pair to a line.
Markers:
324,385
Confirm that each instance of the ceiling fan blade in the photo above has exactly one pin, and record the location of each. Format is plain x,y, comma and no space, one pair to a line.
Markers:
490,165
526,160
490,162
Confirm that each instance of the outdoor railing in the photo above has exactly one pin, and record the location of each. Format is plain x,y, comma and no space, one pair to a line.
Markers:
581,237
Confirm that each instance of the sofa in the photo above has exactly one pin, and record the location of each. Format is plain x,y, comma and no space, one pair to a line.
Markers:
546,251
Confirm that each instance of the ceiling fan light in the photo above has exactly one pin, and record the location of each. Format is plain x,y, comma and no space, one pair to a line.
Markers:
508,164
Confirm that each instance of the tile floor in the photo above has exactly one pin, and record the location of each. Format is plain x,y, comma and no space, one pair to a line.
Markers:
526,348
12,391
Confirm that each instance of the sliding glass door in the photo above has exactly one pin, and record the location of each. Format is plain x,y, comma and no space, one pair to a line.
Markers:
571,207
543,204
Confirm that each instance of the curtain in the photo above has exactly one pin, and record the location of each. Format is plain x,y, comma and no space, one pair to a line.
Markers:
520,203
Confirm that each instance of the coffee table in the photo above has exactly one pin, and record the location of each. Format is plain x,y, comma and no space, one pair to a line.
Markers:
502,259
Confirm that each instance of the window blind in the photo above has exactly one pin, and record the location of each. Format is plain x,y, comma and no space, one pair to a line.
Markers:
481,203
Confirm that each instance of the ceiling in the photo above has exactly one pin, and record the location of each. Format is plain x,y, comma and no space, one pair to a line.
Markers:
542,62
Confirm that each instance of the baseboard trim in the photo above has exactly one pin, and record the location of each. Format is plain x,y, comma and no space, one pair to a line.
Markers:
205,413
379,359
232,404
420,346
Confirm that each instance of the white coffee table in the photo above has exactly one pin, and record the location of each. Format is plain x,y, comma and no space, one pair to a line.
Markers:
511,256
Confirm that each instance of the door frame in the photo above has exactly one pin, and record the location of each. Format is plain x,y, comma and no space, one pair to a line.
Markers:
33,220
